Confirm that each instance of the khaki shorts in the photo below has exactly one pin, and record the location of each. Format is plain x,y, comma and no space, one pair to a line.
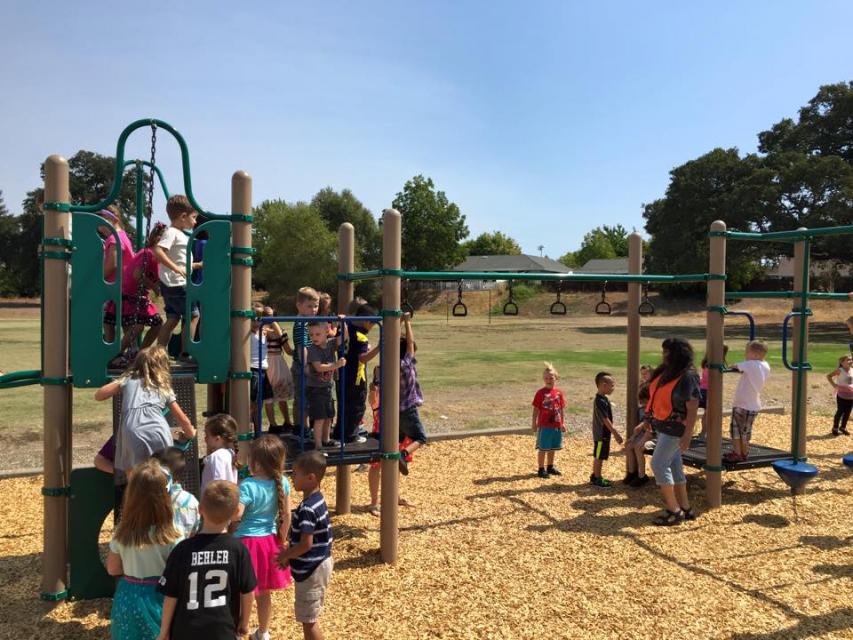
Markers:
311,593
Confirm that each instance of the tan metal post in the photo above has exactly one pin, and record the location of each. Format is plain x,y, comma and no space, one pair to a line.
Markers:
241,298
391,250
714,336
57,397
798,418
346,291
635,266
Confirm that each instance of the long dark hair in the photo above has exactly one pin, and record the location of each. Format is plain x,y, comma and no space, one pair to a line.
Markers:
677,361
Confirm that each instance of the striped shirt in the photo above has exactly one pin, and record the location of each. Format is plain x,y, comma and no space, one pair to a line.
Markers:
410,389
185,510
311,517
300,338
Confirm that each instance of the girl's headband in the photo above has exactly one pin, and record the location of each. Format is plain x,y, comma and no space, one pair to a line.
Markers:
109,215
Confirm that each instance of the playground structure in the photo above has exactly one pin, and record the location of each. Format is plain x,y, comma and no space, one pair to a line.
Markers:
75,354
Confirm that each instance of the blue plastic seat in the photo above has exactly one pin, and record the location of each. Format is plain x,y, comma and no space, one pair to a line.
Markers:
795,474
848,460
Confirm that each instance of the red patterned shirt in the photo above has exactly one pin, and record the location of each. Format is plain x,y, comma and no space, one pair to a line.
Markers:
550,403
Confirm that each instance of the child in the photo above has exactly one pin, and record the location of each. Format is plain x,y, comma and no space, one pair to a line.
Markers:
602,427
310,552
138,551
171,253
264,516
281,379
220,436
849,323
354,382
646,374
635,444
146,391
703,391
112,214
106,456
322,362
307,303
258,364
411,397
184,504
325,309
747,400
842,381
549,404
208,579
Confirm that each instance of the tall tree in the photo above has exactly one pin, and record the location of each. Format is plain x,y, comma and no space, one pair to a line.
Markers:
9,235
298,250
492,244
433,227
336,208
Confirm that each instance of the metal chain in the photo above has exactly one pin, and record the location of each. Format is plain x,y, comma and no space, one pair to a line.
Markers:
149,213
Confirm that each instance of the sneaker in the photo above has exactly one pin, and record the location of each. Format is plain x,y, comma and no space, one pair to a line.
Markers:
845,432
542,473
360,439
331,444
552,471
639,481
598,481
629,477
361,468
257,635
835,432
276,429
404,465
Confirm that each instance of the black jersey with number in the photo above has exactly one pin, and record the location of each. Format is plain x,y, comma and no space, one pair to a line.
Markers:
207,574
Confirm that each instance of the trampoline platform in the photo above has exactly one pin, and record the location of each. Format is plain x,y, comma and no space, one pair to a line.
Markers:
353,453
759,456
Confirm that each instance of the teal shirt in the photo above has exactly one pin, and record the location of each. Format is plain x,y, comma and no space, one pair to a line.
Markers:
260,507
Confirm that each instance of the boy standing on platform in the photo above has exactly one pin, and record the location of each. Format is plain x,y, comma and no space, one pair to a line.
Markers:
747,401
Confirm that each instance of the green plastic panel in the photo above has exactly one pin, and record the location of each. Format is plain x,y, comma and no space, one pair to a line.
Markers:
92,497
89,292
212,350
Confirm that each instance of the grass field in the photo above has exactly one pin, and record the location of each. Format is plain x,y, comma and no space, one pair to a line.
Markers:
477,372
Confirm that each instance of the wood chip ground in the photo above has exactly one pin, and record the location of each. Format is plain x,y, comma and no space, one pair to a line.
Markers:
490,551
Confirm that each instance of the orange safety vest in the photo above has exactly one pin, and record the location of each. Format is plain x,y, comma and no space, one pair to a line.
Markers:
659,405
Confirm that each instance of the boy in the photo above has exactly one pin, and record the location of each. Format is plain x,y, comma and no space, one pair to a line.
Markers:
307,304
411,397
184,504
747,400
171,252
310,551
602,427
322,363
358,355
208,582
549,406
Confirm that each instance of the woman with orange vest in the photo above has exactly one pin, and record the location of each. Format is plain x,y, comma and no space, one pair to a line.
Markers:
671,412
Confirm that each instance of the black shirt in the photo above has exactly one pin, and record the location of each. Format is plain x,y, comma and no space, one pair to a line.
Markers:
207,574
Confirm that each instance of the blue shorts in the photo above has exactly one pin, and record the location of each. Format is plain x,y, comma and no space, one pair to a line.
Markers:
549,439
411,426
175,299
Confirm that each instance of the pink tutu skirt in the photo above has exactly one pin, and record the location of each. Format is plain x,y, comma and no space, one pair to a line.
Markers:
263,550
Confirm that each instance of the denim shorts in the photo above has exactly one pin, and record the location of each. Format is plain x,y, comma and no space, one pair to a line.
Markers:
411,425
266,390
666,461
175,299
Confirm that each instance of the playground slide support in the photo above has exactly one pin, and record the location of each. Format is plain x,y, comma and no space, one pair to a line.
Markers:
57,395
799,386
715,338
635,266
241,298
346,292
391,255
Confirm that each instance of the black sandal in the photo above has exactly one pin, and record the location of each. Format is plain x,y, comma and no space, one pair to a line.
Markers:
689,514
669,518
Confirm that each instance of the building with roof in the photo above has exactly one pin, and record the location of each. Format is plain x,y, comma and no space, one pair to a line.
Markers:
512,264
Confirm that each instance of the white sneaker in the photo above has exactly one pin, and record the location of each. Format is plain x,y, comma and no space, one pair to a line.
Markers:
360,439
257,635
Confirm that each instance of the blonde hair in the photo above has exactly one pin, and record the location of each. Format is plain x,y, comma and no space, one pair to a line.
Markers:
757,346
549,368
841,359
267,454
177,205
307,293
151,366
220,500
146,516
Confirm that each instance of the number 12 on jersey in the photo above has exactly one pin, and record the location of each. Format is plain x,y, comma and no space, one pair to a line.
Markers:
215,581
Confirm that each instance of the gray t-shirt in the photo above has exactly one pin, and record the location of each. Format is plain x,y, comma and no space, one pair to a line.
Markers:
323,355
143,429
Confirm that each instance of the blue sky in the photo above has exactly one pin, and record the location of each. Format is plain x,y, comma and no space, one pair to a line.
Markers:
541,119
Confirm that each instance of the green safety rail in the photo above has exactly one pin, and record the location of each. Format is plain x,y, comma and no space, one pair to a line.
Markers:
20,379
794,235
90,354
817,295
212,351
452,276
92,500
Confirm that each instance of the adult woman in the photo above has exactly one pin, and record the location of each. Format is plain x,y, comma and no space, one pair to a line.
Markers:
672,409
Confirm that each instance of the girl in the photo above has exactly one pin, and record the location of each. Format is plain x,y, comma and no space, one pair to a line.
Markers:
703,391
258,365
220,436
281,379
263,519
138,551
325,309
671,412
112,214
549,404
842,381
146,391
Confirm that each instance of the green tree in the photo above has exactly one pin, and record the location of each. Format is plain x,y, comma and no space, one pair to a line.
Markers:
336,208
433,227
9,234
492,244
298,250
596,245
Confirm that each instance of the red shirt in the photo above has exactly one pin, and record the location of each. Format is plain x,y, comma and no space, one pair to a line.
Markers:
550,403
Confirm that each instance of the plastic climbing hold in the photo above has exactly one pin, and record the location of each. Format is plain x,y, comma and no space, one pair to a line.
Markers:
848,460
795,474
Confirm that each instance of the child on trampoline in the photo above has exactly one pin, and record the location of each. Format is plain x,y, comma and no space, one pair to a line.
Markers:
359,353
842,381
703,391
746,404
307,304
220,436
549,405
602,427
322,364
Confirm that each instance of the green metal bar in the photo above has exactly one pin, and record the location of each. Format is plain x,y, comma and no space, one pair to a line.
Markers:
795,235
818,295
20,379
120,165
453,276
147,163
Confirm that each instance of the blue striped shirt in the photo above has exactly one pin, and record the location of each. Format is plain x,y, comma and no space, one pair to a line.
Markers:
311,517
